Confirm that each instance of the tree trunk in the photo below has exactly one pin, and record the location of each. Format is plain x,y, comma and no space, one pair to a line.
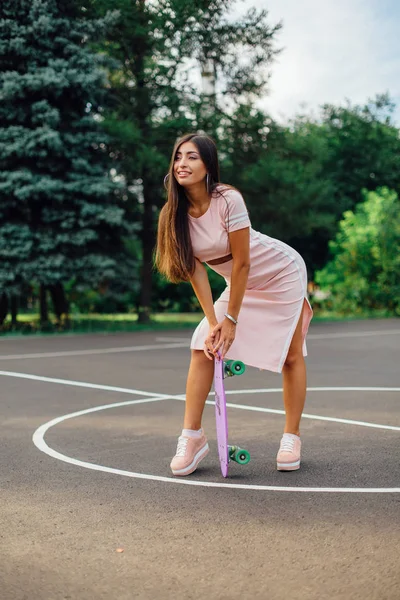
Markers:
208,79
148,240
3,308
44,311
144,111
14,309
60,302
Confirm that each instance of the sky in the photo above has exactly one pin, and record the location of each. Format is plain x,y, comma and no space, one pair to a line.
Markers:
333,50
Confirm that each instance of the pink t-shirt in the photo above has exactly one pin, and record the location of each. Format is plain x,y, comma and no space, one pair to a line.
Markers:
227,212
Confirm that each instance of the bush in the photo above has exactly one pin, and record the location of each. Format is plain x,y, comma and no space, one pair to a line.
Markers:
364,273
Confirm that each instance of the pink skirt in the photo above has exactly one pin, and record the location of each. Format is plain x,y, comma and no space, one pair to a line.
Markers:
271,308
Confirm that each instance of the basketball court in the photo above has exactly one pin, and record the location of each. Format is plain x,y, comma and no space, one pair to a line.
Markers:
91,509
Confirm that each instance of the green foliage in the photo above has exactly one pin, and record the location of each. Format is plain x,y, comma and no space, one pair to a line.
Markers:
364,149
63,218
280,171
298,178
154,99
61,215
365,270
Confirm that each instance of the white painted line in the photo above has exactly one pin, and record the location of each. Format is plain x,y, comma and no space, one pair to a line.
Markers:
313,417
92,351
38,440
173,339
94,386
111,388
178,342
318,389
54,336
354,334
87,411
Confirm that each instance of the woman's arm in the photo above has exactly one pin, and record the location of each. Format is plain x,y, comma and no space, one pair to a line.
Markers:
240,247
202,289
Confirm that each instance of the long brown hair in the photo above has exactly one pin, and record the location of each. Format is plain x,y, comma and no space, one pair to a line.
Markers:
174,256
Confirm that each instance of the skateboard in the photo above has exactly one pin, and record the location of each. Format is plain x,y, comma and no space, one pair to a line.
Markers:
226,453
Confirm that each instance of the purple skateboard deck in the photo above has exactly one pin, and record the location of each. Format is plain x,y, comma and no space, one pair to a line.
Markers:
220,416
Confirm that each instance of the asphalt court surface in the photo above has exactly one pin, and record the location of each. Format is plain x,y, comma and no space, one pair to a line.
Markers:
62,523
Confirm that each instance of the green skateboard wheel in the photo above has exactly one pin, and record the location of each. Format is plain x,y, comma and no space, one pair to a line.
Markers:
234,367
239,455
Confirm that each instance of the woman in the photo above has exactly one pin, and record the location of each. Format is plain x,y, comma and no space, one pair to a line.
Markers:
261,318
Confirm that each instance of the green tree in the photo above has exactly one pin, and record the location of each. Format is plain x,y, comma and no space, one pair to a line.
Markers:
364,272
281,171
364,149
159,45
299,178
61,215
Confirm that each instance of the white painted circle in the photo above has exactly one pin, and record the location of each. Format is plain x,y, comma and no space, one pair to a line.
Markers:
38,440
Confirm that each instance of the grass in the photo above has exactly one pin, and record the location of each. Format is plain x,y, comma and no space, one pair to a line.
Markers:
100,323
28,324
326,315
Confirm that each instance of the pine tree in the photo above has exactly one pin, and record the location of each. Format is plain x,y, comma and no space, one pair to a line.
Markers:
61,215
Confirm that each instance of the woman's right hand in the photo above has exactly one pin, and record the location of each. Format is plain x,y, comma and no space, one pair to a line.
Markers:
211,341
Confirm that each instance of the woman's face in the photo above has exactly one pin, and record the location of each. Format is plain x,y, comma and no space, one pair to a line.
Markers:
189,169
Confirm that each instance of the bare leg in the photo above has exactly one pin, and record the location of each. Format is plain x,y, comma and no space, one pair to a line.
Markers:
294,382
198,385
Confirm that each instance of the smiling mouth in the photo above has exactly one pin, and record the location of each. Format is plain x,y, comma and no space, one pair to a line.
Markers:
183,174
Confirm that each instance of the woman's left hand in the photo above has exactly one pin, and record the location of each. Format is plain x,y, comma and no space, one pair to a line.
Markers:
227,331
